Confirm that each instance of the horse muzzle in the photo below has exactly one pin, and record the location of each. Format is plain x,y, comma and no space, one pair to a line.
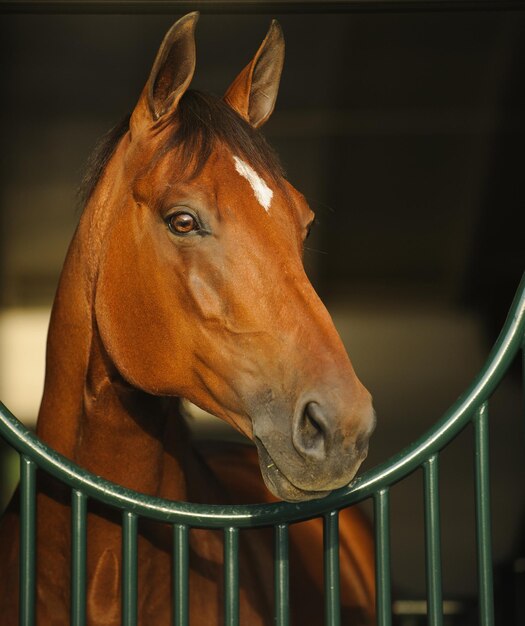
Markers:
313,455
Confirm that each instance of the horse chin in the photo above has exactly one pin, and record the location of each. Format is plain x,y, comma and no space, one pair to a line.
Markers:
277,482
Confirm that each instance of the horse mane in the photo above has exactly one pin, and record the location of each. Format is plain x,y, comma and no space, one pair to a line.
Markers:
203,119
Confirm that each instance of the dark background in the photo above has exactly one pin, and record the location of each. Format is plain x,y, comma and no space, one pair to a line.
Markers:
405,132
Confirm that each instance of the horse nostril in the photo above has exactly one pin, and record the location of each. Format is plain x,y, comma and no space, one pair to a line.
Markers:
361,445
310,432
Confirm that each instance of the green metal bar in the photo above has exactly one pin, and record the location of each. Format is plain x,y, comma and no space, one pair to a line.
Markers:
231,576
433,542
391,471
78,557
382,543
27,540
484,539
129,568
242,516
282,576
331,569
365,485
523,375
181,556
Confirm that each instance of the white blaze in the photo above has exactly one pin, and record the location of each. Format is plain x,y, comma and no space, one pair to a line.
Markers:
262,192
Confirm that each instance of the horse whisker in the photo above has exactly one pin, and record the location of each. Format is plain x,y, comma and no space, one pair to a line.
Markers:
315,250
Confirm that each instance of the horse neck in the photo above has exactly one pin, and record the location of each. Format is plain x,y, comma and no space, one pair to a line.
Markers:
89,413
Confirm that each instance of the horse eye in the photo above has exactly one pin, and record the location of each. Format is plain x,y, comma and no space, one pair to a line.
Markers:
182,223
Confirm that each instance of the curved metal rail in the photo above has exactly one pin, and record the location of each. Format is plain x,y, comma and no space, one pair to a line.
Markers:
216,516
472,406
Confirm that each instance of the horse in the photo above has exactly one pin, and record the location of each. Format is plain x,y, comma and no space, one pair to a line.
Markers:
184,280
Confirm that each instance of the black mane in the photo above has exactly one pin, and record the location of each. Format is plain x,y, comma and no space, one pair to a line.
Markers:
203,119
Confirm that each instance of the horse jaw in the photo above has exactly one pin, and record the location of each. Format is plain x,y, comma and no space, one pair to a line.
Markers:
278,484
274,479
273,476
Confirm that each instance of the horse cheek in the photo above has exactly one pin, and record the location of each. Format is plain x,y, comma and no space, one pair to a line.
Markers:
132,317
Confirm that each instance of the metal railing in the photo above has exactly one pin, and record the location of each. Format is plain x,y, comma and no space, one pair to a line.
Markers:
472,406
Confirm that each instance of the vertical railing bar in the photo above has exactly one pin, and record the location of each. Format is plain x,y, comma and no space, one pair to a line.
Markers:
181,552
331,569
282,576
523,376
231,576
483,523
382,542
27,541
433,541
78,557
129,568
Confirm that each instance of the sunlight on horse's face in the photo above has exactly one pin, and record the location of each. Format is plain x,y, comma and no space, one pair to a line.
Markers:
214,305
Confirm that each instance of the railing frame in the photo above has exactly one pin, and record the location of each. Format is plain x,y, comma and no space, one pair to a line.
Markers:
472,406
364,486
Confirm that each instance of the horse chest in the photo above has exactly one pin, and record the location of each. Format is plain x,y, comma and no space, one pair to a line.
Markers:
155,580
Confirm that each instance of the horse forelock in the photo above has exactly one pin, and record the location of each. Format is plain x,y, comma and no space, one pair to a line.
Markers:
202,121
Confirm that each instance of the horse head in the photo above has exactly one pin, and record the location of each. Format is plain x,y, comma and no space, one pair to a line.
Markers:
200,293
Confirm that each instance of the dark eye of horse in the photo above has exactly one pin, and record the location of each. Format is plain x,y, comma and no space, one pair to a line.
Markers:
182,223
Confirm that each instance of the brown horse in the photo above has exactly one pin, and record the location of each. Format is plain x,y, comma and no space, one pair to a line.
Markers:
185,280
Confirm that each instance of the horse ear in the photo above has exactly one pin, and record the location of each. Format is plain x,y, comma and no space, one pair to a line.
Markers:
254,92
172,70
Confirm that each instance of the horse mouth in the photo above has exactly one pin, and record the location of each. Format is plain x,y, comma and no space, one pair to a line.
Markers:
278,483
